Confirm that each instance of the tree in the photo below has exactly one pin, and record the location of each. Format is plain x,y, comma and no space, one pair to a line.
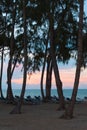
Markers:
1,71
48,78
69,111
62,12
10,97
2,25
17,109
54,64
43,69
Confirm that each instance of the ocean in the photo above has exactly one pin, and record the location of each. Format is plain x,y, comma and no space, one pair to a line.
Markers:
36,92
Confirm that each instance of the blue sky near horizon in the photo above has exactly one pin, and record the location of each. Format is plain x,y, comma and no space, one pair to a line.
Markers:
85,6
67,73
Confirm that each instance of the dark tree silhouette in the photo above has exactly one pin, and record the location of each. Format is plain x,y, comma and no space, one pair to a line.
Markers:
69,111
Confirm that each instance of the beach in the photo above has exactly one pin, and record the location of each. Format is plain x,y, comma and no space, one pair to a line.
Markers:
42,117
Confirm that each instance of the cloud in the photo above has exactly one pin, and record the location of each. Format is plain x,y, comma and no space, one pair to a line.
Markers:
67,78
34,79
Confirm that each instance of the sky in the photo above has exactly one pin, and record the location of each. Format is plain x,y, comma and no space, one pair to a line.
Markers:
85,7
67,75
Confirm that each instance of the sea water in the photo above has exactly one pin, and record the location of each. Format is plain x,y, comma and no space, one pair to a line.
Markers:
37,92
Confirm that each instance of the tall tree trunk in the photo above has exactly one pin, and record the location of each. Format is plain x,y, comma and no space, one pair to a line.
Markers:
55,66
69,112
10,97
17,109
43,69
48,79
9,89
1,72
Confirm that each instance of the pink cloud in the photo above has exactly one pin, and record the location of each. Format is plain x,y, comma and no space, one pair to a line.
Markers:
17,81
34,79
67,77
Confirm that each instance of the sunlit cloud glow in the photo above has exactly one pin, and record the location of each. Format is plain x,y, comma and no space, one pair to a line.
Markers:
67,77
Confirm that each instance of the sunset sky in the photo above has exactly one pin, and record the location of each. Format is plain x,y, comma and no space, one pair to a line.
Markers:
67,77
67,73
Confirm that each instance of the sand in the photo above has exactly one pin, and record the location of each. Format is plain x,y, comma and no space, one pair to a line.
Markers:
42,117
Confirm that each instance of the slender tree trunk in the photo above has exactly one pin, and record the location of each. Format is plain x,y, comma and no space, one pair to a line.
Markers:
55,66
69,112
10,97
43,69
48,79
17,109
42,76
1,72
13,68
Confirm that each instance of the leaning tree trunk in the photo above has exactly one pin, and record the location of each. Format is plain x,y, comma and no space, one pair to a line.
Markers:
17,109
69,112
55,66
